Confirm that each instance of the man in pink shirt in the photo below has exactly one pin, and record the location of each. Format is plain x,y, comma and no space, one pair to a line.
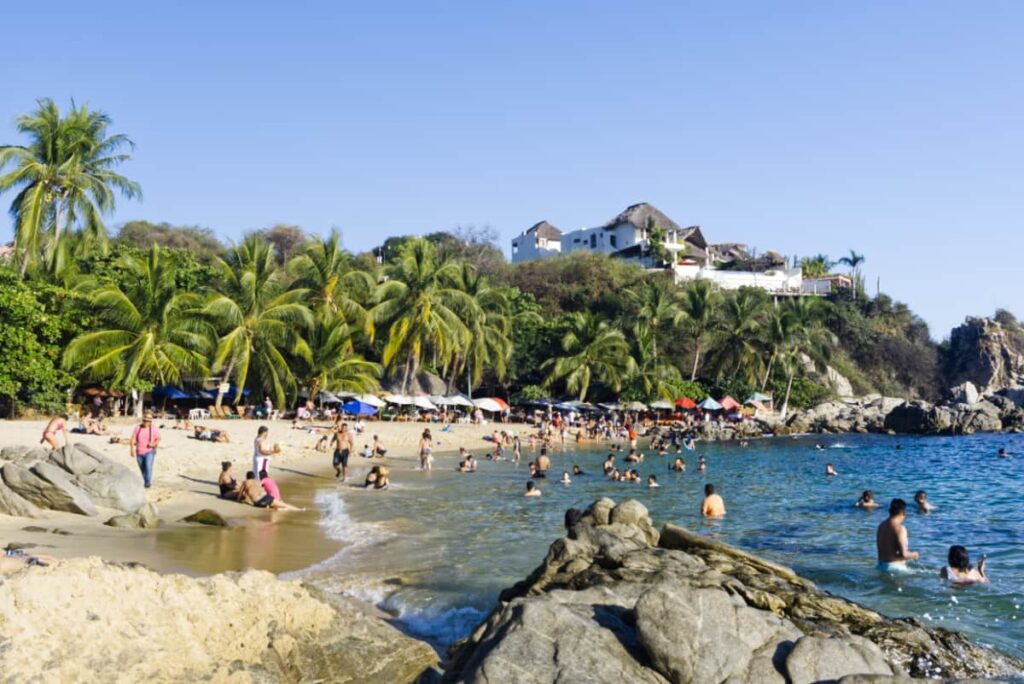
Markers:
145,440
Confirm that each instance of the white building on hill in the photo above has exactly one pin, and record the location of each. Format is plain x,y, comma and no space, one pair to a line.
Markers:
537,242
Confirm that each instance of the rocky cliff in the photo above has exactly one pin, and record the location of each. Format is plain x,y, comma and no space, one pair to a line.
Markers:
986,353
618,601
86,620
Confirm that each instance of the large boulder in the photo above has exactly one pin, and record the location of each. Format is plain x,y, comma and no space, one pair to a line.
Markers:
964,393
47,486
606,606
985,353
12,503
108,484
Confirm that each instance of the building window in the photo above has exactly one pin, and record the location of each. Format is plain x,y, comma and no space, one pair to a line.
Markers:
593,241
612,240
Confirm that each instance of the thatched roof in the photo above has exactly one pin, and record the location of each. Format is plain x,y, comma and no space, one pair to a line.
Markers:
424,382
644,215
545,230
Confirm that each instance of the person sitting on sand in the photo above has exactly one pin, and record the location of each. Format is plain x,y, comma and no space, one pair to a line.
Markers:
892,541
250,492
866,500
923,505
367,452
577,471
378,448
229,487
93,426
959,569
275,501
678,466
830,469
566,480
58,424
531,489
713,505
652,482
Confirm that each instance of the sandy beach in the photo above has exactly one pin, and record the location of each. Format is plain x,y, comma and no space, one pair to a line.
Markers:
185,481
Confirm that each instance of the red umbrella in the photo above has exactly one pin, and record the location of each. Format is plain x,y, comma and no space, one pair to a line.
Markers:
686,403
500,402
729,404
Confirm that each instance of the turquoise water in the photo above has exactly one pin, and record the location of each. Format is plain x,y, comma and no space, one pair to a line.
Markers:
439,546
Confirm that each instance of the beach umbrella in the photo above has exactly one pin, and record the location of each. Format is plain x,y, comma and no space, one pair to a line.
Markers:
610,406
636,406
355,407
169,392
488,404
661,404
685,403
729,404
756,405
455,400
500,402
757,396
710,404
371,400
328,398
423,401
398,399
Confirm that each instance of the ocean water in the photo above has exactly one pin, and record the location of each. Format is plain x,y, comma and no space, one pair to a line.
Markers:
436,549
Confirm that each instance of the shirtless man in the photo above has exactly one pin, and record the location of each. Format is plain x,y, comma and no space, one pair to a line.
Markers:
342,448
713,506
891,539
543,462
250,492
531,489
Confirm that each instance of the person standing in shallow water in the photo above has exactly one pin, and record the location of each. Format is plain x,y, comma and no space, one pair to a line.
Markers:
714,505
342,449
892,540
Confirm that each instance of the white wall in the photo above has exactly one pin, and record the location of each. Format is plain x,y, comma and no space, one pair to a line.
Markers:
528,247
780,280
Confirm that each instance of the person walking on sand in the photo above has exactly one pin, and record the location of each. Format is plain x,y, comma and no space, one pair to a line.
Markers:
342,449
262,451
425,450
892,542
144,442
55,425
713,506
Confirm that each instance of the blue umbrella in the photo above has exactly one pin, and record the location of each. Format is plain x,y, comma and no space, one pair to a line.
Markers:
169,392
358,408
709,404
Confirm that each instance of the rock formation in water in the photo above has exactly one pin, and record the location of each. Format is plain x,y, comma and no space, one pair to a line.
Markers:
984,352
617,601
86,620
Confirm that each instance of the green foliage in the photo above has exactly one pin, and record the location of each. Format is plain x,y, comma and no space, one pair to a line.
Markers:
530,393
816,266
30,337
200,243
804,393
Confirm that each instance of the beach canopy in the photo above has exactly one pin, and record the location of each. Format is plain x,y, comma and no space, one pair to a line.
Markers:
686,403
757,396
370,399
453,400
610,406
662,404
169,392
756,405
423,401
709,404
327,397
636,406
355,407
729,404
398,399
490,404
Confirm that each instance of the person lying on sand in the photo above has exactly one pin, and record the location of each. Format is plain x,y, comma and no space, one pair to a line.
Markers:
273,498
229,487
866,500
206,434
13,560
959,569
923,505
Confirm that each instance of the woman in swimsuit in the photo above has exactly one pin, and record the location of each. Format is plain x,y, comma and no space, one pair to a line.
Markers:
959,569
228,484
426,457
52,428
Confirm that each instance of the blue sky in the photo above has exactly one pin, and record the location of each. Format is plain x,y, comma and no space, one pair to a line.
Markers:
890,127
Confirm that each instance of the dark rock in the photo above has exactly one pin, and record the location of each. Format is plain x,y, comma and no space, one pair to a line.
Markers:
983,352
206,516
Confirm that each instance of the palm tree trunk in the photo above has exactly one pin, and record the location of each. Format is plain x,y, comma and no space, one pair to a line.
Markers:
768,372
789,386
227,378
696,361
24,263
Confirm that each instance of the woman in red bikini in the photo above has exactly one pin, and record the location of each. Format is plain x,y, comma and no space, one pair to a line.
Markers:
55,425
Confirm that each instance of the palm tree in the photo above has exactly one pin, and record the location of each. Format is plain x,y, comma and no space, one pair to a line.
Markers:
489,325
593,350
258,318
149,332
817,266
653,376
699,303
854,261
64,177
419,302
329,361
657,309
806,337
739,333
324,268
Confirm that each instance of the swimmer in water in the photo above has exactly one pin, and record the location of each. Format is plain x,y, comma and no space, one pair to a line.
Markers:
830,469
713,505
577,471
867,500
702,466
1002,453
892,541
652,482
678,466
959,569
819,447
609,464
531,489
566,480
923,505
